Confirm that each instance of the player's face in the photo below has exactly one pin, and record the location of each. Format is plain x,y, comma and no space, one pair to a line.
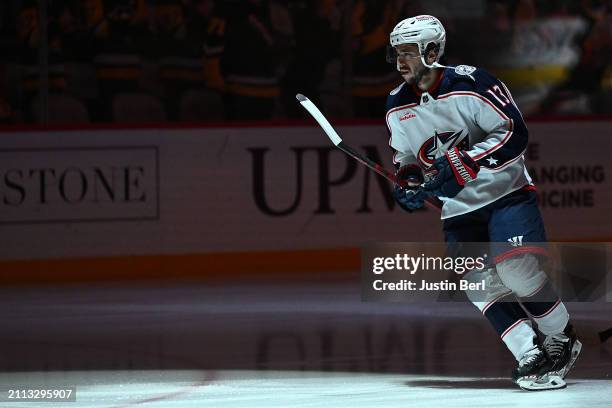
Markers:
409,62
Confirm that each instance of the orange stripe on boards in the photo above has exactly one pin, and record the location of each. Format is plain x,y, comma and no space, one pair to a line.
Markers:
308,264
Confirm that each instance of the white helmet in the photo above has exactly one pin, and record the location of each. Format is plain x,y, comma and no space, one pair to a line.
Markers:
427,32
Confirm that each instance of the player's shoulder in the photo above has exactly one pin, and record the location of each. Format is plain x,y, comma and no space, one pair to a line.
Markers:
468,78
400,96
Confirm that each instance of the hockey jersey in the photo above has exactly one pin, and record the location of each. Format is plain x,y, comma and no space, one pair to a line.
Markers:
472,110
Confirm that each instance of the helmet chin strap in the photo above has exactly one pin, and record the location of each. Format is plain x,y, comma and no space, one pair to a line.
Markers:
435,64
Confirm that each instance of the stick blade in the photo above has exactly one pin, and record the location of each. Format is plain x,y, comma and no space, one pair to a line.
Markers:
320,118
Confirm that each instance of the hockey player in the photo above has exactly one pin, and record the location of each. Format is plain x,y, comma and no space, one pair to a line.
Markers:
458,135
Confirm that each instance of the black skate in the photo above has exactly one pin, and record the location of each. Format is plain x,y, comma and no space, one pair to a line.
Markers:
562,349
533,372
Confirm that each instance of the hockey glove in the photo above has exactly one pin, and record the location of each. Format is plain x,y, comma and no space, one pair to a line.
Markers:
449,174
411,197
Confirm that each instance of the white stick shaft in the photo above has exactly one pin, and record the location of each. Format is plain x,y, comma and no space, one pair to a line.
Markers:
320,118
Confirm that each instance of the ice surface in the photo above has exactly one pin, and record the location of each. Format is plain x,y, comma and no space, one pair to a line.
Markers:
233,389
274,346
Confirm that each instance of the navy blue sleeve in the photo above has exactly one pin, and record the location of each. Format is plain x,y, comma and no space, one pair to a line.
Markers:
498,115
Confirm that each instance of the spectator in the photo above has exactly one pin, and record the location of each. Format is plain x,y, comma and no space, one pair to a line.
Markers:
208,16
316,42
588,84
119,34
29,37
177,52
250,61
372,77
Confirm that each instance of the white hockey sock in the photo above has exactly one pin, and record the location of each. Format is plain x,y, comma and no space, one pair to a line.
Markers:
519,338
554,320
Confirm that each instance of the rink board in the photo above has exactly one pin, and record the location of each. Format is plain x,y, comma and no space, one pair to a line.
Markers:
148,193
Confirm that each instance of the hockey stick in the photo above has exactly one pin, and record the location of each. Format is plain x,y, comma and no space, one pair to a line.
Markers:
337,141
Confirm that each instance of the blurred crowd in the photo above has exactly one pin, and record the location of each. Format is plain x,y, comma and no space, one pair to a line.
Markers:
197,60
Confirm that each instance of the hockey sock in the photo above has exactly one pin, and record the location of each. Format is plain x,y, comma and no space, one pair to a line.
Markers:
546,309
512,324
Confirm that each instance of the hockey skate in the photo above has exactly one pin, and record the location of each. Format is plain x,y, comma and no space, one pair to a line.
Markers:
562,349
533,372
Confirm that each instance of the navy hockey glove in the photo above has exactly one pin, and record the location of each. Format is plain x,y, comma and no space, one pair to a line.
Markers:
449,174
411,197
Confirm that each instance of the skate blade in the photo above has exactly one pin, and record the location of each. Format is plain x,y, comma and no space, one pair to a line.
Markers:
575,352
547,382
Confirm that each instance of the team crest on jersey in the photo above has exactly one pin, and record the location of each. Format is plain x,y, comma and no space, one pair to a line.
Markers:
464,69
439,144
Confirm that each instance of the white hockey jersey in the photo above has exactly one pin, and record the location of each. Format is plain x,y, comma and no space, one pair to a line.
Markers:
468,108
